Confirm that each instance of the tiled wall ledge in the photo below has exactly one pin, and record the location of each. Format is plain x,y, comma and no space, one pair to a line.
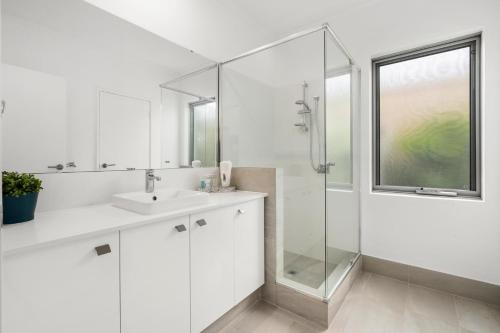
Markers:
478,290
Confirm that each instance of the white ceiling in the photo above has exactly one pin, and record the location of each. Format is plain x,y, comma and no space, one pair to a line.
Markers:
283,17
220,29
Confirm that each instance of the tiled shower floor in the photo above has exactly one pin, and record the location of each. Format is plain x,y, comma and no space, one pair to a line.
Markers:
306,270
377,304
310,271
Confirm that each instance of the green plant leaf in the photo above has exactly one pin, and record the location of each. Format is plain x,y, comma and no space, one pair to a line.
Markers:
16,184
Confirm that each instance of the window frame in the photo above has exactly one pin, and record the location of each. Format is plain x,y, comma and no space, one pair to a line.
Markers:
472,41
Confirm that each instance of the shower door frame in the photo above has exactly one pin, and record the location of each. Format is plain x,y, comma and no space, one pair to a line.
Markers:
355,79
328,31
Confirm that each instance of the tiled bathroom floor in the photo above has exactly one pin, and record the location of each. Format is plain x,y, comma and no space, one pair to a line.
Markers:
378,304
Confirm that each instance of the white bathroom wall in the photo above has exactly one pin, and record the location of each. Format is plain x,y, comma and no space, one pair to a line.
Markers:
67,190
454,236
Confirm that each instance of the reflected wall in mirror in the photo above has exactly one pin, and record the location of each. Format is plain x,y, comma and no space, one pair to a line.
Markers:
190,117
124,139
82,89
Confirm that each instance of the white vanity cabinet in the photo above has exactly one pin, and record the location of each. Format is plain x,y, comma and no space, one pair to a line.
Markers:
155,277
171,274
248,248
65,287
212,266
227,259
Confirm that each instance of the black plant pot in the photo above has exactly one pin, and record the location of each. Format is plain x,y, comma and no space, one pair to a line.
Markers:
19,209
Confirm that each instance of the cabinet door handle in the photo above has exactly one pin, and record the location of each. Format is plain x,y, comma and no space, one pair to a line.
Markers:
103,249
58,167
241,211
201,222
106,165
180,228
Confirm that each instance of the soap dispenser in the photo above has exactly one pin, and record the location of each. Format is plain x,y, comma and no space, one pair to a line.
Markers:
225,173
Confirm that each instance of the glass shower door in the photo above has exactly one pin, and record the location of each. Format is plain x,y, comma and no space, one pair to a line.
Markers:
272,107
291,106
342,180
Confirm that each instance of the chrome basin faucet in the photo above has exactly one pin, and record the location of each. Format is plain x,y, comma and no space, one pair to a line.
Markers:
150,180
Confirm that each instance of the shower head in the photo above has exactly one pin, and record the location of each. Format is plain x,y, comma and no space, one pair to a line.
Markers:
304,104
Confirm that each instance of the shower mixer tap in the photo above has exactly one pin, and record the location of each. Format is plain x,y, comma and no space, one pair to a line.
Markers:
325,168
301,125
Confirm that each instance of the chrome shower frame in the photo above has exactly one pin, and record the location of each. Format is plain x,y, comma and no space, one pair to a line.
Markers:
328,31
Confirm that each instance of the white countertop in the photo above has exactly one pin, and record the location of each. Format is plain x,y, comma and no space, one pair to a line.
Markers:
59,225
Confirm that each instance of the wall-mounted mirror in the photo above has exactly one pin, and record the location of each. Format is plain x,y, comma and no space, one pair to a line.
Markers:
189,107
82,91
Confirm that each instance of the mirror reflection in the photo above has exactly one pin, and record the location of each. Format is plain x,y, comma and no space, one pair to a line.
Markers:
82,91
190,119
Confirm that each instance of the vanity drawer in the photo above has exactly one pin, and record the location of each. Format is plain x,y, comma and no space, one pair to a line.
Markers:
68,287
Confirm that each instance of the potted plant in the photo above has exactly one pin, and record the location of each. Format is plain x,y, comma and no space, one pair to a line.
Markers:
19,194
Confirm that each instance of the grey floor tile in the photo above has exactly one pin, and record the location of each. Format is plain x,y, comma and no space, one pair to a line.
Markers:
388,293
432,304
358,285
365,315
377,304
415,323
266,318
477,317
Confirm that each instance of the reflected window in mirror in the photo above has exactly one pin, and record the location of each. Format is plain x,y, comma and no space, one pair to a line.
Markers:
190,120
204,134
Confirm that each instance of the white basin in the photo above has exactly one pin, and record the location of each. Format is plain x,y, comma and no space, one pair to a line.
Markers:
160,201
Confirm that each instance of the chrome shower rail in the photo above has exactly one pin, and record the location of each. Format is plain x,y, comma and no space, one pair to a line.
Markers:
201,98
326,27
188,75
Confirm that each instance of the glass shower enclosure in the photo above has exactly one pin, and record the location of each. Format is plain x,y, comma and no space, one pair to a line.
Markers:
292,105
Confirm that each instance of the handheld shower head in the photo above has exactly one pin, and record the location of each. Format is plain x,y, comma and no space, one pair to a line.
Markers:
304,105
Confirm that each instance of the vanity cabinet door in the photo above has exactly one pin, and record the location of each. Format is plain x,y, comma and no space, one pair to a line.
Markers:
212,266
68,287
249,248
155,277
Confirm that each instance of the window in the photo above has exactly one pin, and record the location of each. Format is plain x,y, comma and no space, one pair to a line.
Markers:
338,128
426,120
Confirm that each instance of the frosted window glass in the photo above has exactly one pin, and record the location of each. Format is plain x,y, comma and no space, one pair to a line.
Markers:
425,121
205,135
338,129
